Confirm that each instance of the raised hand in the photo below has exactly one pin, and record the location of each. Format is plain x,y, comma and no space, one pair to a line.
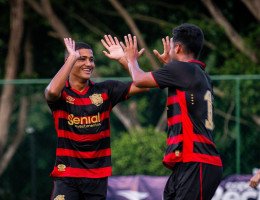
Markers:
115,51
130,48
165,56
70,45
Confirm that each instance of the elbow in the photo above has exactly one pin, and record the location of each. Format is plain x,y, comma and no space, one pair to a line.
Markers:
138,83
50,94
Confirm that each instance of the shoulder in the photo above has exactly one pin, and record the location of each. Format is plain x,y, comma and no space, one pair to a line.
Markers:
109,84
180,67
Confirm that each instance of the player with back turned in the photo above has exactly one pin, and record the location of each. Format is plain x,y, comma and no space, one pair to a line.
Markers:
191,152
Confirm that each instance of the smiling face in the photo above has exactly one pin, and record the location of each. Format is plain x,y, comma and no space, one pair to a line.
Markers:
84,66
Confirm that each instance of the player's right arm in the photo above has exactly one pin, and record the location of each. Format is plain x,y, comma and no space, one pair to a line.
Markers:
53,90
140,78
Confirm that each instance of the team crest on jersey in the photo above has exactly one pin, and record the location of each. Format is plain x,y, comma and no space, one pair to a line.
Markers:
61,167
96,99
70,99
60,197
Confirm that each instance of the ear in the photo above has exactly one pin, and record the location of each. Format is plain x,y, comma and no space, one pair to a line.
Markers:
177,48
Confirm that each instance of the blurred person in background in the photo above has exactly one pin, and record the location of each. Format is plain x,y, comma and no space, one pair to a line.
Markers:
191,153
254,181
81,111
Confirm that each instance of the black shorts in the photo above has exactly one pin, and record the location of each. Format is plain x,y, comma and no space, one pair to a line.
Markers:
79,189
192,181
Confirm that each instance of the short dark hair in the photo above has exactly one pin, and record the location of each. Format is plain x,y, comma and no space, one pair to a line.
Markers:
79,45
82,45
190,36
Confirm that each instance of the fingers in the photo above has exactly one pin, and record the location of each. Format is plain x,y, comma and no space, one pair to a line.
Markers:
126,41
135,42
166,44
106,54
123,45
171,43
156,53
69,43
130,41
104,44
167,39
140,53
109,40
117,41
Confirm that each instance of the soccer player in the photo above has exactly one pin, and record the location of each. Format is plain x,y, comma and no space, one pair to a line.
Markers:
81,111
191,152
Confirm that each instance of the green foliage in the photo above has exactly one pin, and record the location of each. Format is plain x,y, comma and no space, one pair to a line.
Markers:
139,152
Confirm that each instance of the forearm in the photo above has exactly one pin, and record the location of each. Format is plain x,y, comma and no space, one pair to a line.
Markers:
123,62
136,73
58,82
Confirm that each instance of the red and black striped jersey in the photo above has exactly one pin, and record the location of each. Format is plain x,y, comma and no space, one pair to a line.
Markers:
83,129
189,113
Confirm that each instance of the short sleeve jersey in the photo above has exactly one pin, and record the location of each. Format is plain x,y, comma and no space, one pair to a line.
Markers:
189,113
83,130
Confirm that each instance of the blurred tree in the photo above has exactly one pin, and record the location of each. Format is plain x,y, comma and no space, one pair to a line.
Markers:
8,91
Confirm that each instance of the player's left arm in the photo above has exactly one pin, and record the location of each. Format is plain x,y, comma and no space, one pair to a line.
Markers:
136,90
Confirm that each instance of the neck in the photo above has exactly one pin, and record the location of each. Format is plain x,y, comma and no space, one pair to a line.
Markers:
77,84
186,58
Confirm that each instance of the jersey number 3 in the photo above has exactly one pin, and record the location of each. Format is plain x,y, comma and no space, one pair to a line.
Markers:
209,121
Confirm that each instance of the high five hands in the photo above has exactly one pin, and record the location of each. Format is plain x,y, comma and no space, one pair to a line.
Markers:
116,50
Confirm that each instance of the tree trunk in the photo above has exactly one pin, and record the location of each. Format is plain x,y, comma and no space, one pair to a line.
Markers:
127,116
44,8
125,15
254,7
233,36
11,149
16,32
23,110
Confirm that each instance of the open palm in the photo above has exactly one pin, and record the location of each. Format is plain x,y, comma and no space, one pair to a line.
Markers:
165,56
70,45
113,47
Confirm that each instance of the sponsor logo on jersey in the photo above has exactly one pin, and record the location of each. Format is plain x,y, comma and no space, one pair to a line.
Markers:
96,99
70,99
83,120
